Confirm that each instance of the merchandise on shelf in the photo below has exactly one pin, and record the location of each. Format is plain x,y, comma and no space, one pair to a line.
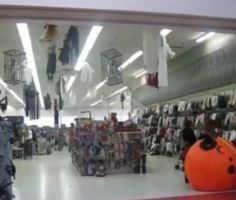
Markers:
169,120
98,149
7,169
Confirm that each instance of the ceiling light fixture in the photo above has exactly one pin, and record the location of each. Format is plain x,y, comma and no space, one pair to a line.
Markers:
140,74
113,103
11,92
97,87
101,84
70,82
3,83
90,41
165,32
118,91
205,37
16,96
10,107
97,102
131,59
24,34
137,72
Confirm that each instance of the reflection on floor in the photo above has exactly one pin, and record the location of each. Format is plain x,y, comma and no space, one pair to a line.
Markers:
218,196
55,178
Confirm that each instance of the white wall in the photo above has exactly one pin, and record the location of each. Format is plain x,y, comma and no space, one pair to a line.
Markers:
213,8
67,115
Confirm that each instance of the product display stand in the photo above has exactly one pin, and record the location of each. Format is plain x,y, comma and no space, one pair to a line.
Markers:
7,169
170,118
99,150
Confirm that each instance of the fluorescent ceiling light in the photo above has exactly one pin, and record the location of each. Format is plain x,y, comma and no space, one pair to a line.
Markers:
118,91
97,87
165,32
101,84
3,83
95,103
23,31
10,107
16,96
140,74
70,82
205,37
12,92
90,41
113,103
131,59
137,72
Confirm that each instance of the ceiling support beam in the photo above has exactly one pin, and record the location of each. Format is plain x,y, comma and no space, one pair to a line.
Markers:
132,17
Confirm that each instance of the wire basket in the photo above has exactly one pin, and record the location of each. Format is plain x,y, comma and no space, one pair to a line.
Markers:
14,64
111,60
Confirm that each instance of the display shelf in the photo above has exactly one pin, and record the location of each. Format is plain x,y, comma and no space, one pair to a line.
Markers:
190,113
100,146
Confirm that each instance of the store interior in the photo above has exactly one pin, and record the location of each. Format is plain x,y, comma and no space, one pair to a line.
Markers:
97,110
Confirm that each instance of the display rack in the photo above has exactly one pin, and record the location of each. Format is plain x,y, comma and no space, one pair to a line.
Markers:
7,169
170,119
99,150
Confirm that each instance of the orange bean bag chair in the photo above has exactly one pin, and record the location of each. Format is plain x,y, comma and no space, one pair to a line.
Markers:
211,167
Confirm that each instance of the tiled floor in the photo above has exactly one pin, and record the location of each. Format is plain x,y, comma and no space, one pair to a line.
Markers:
217,196
55,178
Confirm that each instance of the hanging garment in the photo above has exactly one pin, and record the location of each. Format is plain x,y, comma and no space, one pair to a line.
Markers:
28,75
31,99
51,66
64,55
56,113
151,43
70,48
58,92
47,102
122,99
164,51
73,37
151,39
50,33
87,73
3,98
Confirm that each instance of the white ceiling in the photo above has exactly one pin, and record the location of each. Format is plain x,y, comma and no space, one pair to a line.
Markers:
124,37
